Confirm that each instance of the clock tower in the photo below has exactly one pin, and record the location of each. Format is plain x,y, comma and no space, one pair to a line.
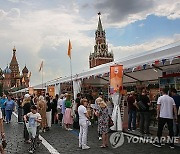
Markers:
101,54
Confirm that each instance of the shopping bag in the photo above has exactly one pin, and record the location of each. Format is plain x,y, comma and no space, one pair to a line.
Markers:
31,129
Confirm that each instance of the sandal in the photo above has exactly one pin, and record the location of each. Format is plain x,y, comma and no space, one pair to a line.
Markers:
102,146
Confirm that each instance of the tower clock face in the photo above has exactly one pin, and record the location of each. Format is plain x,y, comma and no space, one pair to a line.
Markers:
103,46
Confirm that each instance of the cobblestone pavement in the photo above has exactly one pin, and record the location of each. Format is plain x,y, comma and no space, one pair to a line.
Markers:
15,141
66,142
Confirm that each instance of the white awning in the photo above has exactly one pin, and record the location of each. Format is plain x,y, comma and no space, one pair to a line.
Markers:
168,52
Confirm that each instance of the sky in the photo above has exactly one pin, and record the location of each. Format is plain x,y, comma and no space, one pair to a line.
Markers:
40,30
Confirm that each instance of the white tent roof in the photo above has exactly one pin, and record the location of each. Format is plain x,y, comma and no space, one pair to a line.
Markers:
149,57
21,91
40,86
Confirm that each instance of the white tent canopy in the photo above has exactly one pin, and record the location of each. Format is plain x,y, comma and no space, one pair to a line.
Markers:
167,52
21,91
37,87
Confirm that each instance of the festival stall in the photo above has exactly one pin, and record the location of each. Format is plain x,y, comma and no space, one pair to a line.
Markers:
145,70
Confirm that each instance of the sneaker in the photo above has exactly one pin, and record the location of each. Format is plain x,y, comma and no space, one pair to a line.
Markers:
133,130
157,144
31,150
171,146
80,146
100,138
85,147
163,143
129,130
27,141
70,129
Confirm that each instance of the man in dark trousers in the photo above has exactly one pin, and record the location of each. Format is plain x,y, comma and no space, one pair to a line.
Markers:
76,121
144,113
54,109
176,98
131,111
165,108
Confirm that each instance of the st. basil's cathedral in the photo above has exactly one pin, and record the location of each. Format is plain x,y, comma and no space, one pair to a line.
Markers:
11,77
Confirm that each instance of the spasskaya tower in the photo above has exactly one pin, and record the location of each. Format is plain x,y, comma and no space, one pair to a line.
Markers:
100,54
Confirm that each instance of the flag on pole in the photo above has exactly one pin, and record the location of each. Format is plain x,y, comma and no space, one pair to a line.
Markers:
29,75
69,49
23,80
41,66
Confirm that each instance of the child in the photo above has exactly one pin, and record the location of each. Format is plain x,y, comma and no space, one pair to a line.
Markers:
33,120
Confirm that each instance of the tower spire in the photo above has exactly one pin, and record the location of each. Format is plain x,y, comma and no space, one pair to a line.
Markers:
14,51
99,23
101,54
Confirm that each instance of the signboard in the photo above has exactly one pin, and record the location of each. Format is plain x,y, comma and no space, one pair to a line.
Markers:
116,79
31,90
173,72
51,90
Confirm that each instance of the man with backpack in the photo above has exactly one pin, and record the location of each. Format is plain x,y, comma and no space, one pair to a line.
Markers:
143,104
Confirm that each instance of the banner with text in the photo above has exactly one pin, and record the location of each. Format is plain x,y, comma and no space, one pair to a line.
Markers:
116,79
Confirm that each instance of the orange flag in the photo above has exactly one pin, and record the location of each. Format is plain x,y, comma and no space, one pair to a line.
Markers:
41,66
69,49
23,80
29,74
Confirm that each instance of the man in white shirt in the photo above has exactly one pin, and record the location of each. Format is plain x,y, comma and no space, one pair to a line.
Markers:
165,108
83,123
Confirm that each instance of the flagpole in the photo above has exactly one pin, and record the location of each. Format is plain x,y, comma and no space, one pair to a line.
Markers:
69,54
29,82
42,78
71,76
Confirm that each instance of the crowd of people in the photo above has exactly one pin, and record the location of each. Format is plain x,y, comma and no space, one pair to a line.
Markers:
37,114
168,107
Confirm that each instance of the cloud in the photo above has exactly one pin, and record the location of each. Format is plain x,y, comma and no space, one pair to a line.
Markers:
123,12
125,51
141,25
43,34
12,14
15,1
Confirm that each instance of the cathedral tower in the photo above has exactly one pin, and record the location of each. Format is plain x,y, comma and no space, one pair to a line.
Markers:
101,54
14,67
25,78
7,78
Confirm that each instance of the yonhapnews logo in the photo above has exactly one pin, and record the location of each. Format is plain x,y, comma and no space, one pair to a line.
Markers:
117,139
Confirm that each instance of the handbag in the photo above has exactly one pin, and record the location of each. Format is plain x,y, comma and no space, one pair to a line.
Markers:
110,122
141,106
